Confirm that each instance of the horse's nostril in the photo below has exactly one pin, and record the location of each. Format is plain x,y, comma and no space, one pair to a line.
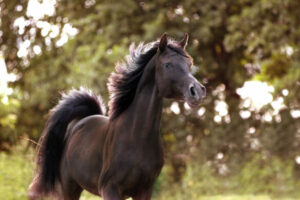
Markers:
192,90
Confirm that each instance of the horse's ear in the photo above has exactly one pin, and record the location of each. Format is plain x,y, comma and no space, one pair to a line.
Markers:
184,41
163,42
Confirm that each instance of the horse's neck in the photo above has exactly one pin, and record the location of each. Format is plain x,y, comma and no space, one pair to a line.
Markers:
146,107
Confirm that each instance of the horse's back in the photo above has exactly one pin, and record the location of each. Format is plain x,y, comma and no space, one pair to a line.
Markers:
90,123
83,156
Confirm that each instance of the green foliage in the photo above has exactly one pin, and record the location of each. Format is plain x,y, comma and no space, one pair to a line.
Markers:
9,106
276,67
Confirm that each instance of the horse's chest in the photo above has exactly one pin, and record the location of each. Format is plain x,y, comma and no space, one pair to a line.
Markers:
145,164
149,167
140,177
140,170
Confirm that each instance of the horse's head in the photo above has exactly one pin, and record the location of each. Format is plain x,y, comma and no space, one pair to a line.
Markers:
173,76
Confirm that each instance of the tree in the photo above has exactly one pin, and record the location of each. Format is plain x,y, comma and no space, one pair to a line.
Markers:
231,42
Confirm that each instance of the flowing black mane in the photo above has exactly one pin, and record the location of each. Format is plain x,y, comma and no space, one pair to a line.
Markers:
122,85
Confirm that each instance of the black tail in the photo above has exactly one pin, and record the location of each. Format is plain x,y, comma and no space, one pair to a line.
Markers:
77,104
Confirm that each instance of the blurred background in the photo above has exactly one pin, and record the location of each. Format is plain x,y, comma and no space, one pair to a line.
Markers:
244,140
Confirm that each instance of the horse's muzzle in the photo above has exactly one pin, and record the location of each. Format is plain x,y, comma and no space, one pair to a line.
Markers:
196,92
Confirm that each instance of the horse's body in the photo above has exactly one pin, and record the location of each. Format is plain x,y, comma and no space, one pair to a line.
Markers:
121,155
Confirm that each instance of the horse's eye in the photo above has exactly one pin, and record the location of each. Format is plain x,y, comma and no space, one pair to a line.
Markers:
167,65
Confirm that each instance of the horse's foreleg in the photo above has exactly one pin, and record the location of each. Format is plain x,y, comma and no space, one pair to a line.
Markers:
111,193
144,196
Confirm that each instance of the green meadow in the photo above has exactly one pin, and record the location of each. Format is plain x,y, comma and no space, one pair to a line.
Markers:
17,167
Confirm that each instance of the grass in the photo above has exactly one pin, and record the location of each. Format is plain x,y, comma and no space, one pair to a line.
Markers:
241,197
16,172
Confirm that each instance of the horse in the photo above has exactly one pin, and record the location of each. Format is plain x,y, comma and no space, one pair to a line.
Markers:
118,155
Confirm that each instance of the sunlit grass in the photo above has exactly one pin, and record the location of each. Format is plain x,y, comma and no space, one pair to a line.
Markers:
241,197
15,175
16,172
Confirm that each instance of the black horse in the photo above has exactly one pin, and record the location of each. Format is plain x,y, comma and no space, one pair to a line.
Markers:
121,155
